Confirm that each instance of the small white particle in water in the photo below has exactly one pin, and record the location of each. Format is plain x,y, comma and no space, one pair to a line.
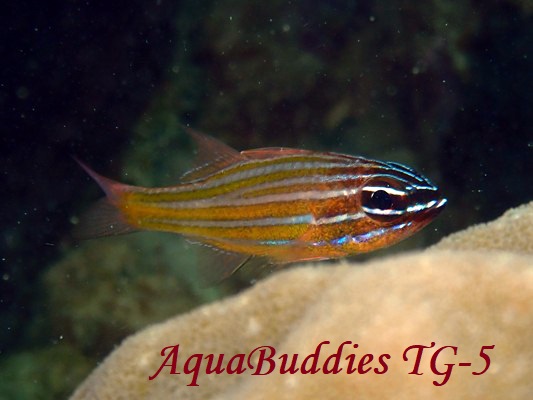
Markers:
22,92
372,18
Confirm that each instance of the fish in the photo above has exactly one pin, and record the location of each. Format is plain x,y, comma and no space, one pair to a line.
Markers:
279,204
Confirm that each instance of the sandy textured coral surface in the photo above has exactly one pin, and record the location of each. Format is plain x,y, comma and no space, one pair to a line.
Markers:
462,298
512,232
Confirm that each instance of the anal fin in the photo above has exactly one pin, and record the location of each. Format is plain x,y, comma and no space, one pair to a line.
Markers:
216,265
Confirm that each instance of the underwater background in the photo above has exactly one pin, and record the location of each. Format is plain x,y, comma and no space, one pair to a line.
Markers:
444,87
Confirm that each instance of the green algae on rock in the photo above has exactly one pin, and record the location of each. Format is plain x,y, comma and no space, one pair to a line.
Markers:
54,369
105,290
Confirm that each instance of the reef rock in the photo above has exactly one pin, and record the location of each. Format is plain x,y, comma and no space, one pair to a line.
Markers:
472,292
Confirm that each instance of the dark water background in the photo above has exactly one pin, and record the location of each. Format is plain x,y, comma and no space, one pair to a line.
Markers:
445,87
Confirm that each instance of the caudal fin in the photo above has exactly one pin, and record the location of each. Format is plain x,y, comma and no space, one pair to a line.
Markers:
104,218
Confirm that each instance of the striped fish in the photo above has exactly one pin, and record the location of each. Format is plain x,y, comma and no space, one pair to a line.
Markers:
284,204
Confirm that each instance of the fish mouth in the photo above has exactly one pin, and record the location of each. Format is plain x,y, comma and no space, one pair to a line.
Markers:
441,203
434,208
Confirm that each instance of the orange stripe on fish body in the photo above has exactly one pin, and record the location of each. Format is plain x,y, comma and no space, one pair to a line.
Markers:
285,204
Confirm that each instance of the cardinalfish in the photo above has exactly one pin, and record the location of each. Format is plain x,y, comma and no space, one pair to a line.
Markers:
282,204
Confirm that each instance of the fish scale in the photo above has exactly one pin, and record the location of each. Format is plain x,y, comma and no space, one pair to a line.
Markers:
283,204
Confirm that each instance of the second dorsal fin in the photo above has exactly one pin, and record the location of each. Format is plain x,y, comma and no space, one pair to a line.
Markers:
268,152
211,156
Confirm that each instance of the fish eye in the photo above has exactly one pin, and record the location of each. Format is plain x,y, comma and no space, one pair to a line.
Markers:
383,202
380,199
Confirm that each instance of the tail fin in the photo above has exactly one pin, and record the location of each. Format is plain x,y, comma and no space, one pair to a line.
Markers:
104,218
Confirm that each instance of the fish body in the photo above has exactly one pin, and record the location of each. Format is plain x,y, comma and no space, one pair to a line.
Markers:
283,204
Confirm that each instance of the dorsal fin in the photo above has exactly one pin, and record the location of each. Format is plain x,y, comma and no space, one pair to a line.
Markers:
268,152
211,156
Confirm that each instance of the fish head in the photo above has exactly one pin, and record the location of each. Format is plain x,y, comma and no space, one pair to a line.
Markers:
396,202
